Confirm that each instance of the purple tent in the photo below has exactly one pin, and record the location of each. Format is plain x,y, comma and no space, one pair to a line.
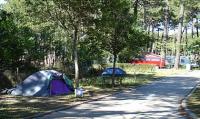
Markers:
58,86
44,83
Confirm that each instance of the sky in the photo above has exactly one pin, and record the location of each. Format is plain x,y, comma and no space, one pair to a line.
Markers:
2,1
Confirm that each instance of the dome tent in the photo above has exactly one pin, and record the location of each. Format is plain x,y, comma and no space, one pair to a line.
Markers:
44,83
109,71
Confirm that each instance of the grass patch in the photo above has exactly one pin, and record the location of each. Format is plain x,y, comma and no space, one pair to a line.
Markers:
194,102
18,107
167,72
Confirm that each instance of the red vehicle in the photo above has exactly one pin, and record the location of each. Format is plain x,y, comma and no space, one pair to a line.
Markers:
150,59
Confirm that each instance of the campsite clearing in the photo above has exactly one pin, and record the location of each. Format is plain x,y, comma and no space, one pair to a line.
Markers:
20,106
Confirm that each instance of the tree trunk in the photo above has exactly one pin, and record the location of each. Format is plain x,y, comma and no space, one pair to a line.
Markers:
186,40
145,16
149,28
165,34
192,28
114,66
148,42
179,35
152,43
197,27
158,33
135,12
75,52
174,42
186,33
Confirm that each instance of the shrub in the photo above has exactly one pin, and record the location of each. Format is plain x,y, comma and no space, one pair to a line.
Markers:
95,70
91,81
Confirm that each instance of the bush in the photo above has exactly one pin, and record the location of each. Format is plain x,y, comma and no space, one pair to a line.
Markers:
95,70
91,81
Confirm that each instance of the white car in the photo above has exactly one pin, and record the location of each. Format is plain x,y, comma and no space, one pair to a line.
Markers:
194,64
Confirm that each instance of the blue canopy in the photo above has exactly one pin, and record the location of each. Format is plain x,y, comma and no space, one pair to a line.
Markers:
109,71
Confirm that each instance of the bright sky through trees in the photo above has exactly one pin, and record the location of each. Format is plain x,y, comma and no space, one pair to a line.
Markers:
2,1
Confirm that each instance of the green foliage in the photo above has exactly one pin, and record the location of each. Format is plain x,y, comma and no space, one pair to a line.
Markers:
136,43
15,42
114,25
138,39
194,46
194,49
127,54
90,49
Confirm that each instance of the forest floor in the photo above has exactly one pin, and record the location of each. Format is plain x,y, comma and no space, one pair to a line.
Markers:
20,107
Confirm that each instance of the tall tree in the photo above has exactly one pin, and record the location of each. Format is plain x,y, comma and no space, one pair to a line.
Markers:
166,24
71,15
114,26
179,35
42,31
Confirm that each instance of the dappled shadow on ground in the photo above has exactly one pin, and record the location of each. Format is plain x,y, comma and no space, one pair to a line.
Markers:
19,106
156,100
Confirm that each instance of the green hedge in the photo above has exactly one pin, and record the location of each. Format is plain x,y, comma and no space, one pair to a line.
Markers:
130,68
